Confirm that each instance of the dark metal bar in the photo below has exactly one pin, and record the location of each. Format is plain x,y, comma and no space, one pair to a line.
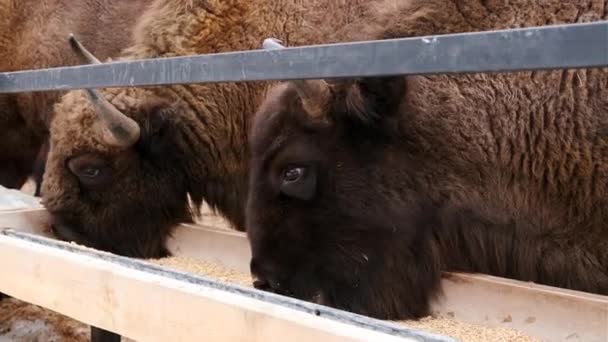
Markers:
547,47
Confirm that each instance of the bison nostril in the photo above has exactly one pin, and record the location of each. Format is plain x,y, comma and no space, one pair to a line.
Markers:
269,285
261,285
318,298
266,277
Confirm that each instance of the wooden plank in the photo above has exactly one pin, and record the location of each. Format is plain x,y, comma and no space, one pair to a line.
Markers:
546,312
34,221
149,303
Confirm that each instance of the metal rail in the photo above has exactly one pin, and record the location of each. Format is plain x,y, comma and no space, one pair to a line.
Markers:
546,47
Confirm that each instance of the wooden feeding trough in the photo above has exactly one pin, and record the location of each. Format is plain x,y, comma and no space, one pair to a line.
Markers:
147,302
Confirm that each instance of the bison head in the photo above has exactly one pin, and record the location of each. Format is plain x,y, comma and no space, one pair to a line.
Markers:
325,220
117,191
118,172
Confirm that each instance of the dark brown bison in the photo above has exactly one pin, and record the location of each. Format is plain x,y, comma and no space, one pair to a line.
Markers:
122,190
362,191
33,35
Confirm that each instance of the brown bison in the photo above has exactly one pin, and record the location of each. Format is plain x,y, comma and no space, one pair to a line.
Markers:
121,185
362,191
33,35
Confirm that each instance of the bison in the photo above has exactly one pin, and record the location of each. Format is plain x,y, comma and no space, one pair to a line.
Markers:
33,35
362,191
122,186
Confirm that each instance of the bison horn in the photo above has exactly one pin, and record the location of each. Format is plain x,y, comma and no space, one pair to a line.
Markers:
122,130
313,93
80,49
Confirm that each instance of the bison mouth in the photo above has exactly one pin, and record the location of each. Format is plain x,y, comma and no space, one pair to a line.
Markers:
263,285
131,243
67,232
298,280
269,285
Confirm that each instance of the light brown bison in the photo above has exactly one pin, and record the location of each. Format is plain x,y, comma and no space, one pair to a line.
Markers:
121,189
33,35
362,191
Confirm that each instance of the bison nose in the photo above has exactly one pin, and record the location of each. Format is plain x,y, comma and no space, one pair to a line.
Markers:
67,232
266,277
262,284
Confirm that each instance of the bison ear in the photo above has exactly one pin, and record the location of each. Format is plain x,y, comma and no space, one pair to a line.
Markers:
370,100
160,138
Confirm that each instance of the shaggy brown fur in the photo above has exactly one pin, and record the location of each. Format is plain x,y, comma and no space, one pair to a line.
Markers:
193,137
33,35
362,206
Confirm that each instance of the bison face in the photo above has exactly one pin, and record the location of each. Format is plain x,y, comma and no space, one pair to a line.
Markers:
324,220
119,198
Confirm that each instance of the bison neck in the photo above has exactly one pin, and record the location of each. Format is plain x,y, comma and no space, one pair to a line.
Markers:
470,241
219,113
226,196
214,124
481,226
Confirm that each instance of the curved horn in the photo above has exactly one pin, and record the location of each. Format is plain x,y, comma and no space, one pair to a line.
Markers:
313,93
86,54
121,131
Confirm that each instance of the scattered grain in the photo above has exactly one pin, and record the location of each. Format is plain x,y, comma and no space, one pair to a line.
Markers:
467,332
205,268
443,326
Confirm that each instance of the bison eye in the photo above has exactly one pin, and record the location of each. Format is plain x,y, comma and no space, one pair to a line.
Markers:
299,182
294,174
90,172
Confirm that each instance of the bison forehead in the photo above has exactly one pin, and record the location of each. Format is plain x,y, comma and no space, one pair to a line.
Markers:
76,127
270,116
275,102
